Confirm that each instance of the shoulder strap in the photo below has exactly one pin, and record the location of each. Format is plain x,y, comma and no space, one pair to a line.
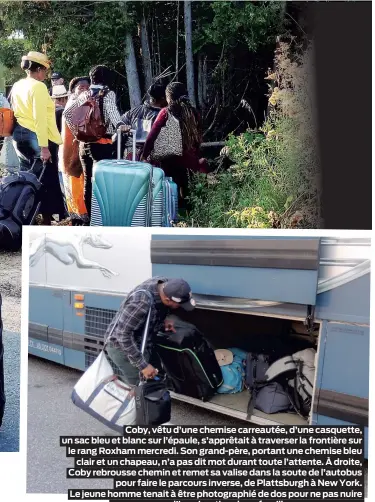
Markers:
10,98
147,325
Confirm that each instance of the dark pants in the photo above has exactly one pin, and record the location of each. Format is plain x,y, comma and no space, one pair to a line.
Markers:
90,153
28,152
128,373
173,168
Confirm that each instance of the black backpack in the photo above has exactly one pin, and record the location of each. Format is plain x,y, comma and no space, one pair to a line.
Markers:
20,199
2,390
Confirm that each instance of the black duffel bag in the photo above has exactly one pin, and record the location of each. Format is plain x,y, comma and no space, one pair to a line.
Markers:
152,403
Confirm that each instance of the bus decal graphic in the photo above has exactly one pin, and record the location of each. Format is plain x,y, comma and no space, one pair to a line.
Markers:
69,250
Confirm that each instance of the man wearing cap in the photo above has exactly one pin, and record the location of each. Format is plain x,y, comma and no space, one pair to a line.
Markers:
123,343
56,79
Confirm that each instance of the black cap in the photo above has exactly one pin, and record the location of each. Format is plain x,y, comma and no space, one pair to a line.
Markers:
56,76
179,291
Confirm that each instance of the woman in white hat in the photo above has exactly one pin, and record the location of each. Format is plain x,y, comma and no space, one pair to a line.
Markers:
36,132
59,95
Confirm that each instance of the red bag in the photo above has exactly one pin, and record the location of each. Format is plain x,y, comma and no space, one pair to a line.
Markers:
87,123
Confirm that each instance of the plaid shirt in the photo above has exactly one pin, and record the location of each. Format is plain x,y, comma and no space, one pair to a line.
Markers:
112,116
131,318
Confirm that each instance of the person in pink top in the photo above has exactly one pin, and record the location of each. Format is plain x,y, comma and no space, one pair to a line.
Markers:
178,167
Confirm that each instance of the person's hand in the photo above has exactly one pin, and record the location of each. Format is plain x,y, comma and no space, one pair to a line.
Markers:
45,154
149,372
169,326
125,128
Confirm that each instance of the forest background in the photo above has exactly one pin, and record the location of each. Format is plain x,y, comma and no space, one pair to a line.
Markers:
248,67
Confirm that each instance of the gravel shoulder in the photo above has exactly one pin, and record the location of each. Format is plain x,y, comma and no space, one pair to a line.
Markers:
10,289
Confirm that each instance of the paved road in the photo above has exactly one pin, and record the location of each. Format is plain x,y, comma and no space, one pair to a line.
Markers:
9,433
51,414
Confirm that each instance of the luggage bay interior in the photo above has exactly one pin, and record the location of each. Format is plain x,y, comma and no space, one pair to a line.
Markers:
257,333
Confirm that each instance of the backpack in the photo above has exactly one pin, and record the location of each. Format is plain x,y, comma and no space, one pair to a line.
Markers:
303,381
7,120
86,121
296,374
256,367
234,373
20,199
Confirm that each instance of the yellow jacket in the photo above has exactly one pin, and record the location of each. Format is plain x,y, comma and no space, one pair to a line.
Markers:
34,109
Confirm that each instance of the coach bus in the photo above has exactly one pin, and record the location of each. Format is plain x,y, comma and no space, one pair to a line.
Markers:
245,287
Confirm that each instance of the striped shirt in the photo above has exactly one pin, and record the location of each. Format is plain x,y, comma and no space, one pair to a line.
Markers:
112,118
130,321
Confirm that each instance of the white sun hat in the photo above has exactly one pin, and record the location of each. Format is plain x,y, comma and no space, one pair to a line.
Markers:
59,91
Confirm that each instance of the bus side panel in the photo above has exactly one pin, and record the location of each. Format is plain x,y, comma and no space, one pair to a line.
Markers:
46,323
48,351
346,362
84,334
342,388
246,282
74,359
347,303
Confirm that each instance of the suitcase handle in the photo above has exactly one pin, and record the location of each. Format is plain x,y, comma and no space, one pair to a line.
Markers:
31,170
133,132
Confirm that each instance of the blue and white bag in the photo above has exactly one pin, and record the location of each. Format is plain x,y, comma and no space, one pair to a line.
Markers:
233,373
104,396
101,394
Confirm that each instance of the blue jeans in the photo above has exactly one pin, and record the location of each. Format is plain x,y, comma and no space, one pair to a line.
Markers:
27,149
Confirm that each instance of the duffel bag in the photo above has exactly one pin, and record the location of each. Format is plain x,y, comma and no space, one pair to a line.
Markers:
104,396
152,403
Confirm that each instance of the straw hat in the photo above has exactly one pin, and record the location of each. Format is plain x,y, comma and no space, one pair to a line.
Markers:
59,91
37,57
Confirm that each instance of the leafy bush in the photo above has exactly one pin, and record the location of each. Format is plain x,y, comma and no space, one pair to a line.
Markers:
274,181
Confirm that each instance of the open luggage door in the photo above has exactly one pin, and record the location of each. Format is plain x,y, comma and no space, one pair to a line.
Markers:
244,271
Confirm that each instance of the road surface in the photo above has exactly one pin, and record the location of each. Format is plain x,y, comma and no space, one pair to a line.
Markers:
9,432
51,414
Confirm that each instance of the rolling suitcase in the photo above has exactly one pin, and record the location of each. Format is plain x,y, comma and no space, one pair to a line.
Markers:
165,203
130,193
20,200
189,361
121,191
171,202
2,390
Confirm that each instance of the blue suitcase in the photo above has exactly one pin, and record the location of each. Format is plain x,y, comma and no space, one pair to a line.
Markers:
121,192
129,193
164,208
171,195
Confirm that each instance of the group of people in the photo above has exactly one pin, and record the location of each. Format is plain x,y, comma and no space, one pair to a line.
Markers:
43,130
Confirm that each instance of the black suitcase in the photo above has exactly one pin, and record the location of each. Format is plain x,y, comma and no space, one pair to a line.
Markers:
20,200
2,389
189,361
